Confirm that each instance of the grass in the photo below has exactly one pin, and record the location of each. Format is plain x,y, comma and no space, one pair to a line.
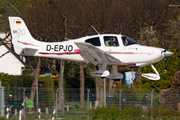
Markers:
34,116
110,112
74,117
3,118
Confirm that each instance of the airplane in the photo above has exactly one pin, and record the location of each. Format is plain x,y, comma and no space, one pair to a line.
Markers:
95,49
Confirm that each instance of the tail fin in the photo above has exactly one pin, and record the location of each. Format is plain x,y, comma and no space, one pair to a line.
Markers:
21,37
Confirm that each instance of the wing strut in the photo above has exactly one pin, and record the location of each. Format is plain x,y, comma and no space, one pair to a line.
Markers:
154,69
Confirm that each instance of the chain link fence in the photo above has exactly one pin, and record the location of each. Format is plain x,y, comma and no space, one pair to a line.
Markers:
47,99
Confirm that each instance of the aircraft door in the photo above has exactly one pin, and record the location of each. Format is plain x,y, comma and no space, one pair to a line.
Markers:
113,46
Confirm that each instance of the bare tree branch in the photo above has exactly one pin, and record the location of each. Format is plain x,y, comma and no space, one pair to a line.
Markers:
4,39
30,65
4,54
47,61
14,8
30,3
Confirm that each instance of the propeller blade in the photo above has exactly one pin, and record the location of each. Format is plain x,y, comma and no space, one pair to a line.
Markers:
165,64
167,54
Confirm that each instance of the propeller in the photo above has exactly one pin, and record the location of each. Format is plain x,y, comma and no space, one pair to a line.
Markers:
165,57
166,54
165,64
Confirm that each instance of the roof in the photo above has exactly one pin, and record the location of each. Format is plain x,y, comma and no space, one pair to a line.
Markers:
11,50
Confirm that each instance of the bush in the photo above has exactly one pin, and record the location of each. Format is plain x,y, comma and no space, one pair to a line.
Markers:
135,113
74,106
105,113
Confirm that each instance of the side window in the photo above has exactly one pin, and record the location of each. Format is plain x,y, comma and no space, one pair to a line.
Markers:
94,41
111,41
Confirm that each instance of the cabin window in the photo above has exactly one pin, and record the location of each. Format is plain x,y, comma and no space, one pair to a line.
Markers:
94,41
128,41
111,41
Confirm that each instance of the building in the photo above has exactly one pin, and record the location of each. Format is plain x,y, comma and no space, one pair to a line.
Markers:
10,62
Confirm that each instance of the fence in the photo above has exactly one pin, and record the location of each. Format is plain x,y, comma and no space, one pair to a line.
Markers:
47,99
1,100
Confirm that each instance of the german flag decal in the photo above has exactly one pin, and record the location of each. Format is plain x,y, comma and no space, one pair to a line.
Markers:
18,22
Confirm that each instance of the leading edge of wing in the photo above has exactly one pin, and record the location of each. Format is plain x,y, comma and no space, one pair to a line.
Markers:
95,55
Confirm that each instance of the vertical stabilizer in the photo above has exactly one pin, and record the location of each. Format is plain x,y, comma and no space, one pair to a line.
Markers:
21,37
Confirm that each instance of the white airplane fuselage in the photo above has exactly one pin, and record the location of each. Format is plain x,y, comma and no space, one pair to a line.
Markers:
66,50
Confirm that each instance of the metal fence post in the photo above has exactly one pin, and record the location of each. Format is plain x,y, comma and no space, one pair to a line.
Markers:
104,91
37,94
2,100
56,102
152,98
151,102
120,90
88,102
24,101
3,113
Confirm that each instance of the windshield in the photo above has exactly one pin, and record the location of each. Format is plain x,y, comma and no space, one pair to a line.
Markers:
128,41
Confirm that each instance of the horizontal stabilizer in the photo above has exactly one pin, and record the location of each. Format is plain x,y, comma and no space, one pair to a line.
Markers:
32,48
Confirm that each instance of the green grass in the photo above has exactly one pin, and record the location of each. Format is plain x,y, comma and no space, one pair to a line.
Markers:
3,118
110,112
34,116
75,117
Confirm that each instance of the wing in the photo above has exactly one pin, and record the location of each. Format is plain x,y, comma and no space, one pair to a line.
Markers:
95,55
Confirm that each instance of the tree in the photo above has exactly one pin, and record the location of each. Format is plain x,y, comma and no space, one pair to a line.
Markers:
100,89
36,71
8,8
4,79
44,20
172,33
82,85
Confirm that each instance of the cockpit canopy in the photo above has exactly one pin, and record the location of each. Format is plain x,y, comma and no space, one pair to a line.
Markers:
111,41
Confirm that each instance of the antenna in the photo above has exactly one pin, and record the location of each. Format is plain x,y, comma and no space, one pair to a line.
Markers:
95,29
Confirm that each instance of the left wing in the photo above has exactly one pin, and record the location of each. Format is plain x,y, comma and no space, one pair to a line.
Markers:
95,55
